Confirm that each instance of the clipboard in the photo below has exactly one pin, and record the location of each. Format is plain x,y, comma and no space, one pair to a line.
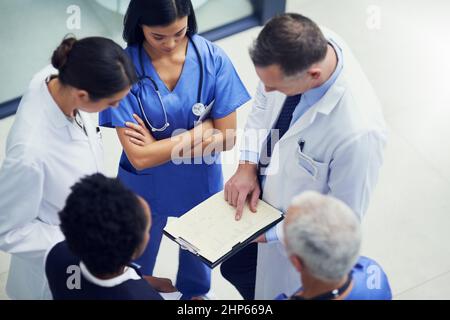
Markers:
210,232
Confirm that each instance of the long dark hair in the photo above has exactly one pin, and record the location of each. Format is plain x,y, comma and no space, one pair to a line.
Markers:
97,65
155,13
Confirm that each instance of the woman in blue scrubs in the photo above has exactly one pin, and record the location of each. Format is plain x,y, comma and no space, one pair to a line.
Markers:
178,70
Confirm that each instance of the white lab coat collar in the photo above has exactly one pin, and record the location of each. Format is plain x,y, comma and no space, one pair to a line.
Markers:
129,274
330,100
56,116
324,106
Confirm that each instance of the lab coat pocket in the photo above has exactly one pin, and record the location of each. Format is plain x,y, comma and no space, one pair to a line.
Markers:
316,170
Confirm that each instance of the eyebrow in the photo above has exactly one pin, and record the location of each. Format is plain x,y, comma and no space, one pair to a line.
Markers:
162,35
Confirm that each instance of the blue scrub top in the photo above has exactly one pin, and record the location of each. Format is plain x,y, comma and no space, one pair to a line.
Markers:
369,282
172,189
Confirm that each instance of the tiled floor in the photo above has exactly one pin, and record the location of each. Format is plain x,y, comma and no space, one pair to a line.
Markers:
4,262
3,277
406,228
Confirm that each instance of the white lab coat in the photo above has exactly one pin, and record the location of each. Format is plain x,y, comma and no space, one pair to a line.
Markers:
346,123
45,155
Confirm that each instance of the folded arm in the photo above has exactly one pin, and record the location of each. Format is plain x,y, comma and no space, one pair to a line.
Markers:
144,151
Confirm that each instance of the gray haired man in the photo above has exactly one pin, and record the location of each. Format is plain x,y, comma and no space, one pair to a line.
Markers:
323,239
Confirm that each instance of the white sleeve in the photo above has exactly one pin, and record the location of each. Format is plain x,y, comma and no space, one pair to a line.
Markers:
255,132
21,191
280,232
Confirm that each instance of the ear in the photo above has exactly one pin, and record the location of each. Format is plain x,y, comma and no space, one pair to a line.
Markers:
82,95
315,73
139,251
297,263
136,253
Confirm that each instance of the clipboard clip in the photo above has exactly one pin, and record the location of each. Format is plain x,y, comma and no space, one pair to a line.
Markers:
185,245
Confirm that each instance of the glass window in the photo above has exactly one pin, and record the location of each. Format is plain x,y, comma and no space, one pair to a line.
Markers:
31,29
210,13
215,13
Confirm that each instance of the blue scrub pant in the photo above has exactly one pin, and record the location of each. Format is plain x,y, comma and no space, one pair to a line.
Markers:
193,277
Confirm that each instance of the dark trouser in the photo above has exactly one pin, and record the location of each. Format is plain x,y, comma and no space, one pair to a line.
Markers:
240,271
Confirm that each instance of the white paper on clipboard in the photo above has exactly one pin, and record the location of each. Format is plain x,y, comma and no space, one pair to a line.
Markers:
210,230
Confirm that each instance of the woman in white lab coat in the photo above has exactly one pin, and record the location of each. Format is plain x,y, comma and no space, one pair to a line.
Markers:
52,144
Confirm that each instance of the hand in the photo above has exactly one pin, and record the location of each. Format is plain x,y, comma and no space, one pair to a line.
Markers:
138,133
202,134
207,126
242,185
161,284
261,239
209,130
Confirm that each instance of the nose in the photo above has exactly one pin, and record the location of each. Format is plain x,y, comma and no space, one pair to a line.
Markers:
170,44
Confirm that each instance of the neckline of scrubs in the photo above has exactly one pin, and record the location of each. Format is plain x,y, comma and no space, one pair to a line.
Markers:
151,70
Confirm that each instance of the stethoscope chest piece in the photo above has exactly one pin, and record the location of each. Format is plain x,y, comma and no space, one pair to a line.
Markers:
198,109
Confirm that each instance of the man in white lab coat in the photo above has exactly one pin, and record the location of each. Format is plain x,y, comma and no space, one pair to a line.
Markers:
328,136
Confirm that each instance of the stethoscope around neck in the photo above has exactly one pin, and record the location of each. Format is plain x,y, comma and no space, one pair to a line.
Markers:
198,108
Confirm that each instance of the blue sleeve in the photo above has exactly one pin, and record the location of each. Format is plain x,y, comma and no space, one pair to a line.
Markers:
116,117
230,93
370,281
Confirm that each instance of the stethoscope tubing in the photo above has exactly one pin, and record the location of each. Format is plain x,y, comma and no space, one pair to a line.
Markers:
143,76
